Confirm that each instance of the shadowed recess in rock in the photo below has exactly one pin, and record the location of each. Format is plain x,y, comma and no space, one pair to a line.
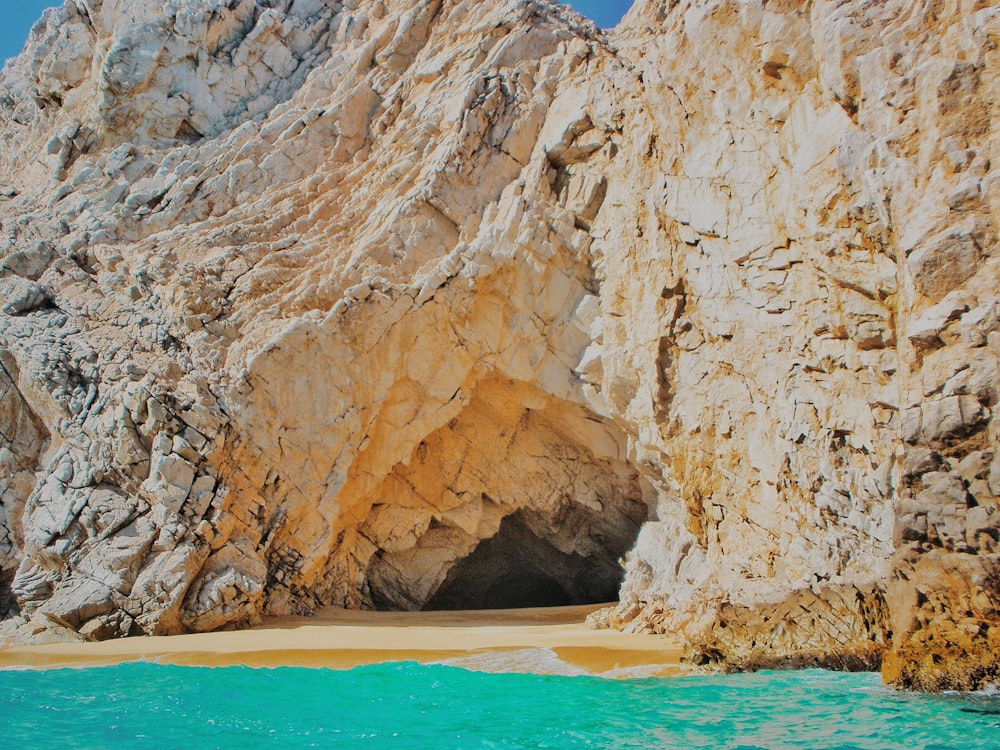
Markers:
518,568
7,603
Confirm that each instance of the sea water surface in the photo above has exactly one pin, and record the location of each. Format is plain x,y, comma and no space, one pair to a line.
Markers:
408,705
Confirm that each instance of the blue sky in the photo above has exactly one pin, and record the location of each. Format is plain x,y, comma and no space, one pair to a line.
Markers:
19,16
17,20
606,13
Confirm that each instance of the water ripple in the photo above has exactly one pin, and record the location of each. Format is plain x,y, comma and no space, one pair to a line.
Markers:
407,705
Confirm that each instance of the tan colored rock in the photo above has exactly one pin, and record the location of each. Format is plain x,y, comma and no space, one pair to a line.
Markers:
22,441
380,303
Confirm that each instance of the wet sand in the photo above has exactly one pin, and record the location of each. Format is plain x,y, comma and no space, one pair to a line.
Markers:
551,640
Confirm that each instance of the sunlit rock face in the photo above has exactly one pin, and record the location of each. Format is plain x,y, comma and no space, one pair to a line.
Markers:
456,304
820,204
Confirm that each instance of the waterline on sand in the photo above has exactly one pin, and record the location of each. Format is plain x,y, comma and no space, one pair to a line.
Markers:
343,639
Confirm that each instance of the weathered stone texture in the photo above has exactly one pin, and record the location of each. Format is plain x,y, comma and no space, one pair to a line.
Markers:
303,300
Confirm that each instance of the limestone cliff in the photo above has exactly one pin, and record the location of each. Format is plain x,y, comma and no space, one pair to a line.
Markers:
454,304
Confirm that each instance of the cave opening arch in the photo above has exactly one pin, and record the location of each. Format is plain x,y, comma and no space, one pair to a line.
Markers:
523,500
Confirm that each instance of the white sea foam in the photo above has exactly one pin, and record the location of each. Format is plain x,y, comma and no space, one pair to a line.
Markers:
639,672
544,661
522,661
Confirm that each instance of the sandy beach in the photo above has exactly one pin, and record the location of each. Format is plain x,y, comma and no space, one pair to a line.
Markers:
552,640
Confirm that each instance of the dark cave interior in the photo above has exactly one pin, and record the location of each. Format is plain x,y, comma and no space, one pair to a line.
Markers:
516,568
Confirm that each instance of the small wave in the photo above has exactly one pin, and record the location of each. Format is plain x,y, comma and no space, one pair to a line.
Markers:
639,672
992,693
18,668
541,661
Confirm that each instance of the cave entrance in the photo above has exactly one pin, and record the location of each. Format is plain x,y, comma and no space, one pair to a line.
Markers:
521,500
517,568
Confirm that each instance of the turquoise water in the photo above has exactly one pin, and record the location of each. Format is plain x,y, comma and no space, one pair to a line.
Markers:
407,705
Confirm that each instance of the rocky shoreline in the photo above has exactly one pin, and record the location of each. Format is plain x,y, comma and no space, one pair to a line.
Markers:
382,304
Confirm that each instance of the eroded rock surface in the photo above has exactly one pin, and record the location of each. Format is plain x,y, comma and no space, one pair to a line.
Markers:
310,302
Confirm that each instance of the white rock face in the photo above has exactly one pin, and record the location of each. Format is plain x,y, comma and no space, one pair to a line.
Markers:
302,300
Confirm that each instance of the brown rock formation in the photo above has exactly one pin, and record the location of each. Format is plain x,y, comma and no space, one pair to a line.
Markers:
456,304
